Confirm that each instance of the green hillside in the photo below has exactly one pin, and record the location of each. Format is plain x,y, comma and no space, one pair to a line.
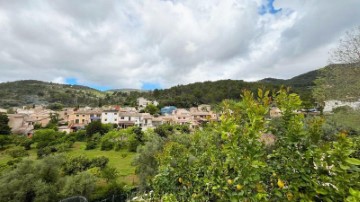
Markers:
338,82
30,92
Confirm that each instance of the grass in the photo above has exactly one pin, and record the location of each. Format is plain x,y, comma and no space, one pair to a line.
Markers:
121,160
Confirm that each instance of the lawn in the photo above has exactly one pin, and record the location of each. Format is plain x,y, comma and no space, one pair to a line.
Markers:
121,160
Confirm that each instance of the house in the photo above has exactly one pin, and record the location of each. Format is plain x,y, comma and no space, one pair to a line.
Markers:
146,121
64,129
95,115
204,107
142,102
275,112
167,110
40,117
79,118
18,124
127,119
157,121
182,116
202,114
3,110
110,116
65,113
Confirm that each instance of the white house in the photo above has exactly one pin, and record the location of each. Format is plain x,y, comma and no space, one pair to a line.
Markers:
110,116
129,119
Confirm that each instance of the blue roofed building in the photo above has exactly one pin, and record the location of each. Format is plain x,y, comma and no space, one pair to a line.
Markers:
167,110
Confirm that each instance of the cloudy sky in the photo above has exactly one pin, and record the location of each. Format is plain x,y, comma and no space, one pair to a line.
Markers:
161,43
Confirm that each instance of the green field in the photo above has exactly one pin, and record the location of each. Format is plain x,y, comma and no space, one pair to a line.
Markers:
121,160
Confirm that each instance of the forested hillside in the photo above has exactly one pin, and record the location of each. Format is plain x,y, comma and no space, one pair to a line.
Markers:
215,92
30,92
338,82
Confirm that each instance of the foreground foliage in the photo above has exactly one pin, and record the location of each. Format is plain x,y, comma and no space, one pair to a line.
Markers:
247,157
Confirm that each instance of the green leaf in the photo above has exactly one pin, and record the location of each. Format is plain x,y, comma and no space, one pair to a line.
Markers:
352,161
321,191
343,167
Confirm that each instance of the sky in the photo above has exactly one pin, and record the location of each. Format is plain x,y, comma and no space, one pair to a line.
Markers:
148,44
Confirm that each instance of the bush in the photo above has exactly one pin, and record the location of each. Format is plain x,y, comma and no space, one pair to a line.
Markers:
44,151
27,144
91,144
77,164
17,152
100,162
133,143
230,162
107,145
13,162
4,140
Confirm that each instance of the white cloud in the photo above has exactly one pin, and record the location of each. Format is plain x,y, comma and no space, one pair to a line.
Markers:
60,80
128,43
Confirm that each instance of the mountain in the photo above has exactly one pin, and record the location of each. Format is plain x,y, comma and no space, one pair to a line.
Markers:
338,82
28,92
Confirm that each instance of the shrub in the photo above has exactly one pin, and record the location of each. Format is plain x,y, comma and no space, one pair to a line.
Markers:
107,145
90,145
100,162
229,162
17,152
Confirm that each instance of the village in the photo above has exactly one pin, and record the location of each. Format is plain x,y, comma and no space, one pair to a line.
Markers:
25,120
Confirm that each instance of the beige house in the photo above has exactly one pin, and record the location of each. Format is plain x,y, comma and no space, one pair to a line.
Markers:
65,113
182,116
142,102
79,118
19,125
40,117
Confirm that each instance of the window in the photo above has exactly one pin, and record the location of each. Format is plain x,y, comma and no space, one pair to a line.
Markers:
122,117
77,115
83,120
115,113
115,119
83,115
105,113
77,121
105,119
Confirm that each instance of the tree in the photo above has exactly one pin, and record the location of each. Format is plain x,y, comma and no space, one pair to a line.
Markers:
152,109
95,127
348,51
4,127
232,161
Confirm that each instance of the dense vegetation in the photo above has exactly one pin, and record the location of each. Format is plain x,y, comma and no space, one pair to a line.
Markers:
21,93
246,157
31,92
338,82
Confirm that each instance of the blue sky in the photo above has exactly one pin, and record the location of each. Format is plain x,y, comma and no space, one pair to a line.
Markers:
74,81
269,8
